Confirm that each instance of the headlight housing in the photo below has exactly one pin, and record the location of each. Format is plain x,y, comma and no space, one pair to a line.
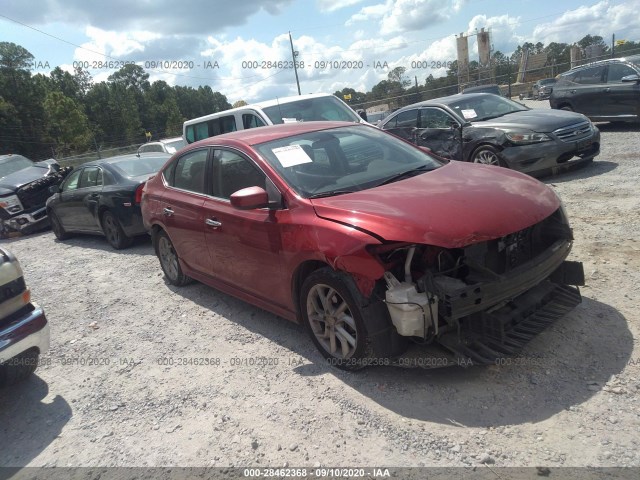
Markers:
525,137
11,203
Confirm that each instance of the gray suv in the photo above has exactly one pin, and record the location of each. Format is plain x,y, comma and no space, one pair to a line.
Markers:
606,91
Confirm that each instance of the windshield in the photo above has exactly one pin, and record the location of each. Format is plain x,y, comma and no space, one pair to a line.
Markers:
635,60
13,164
311,109
343,160
484,107
135,167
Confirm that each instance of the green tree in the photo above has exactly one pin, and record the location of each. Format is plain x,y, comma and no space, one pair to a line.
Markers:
66,123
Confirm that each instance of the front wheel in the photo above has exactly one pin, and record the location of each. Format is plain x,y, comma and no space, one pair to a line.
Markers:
169,261
487,155
334,319
114,232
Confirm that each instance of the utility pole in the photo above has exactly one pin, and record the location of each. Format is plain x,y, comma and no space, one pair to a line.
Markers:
613,44
295,68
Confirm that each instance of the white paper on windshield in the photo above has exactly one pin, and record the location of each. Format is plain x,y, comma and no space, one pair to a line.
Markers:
291,156
289,120
471,113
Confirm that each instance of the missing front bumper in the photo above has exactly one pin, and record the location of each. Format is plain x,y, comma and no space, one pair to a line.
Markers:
504,332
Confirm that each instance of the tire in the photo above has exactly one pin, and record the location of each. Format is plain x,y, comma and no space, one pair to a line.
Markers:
487,155
114,232
18,368
331,308
169,261
57,228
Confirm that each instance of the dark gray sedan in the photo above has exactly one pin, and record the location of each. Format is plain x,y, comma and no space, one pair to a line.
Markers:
486,128
103,198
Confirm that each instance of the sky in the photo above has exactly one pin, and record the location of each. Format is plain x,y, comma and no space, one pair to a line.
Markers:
242,48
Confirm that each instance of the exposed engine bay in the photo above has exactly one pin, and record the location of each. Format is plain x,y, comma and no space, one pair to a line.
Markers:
483,301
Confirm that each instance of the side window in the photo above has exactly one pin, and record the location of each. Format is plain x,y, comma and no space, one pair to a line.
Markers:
435,118
234,172
71,182
188,171
218,126
617,71
251,121
590,76
90,177
408,119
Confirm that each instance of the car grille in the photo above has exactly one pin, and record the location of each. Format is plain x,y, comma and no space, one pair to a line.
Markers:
574,132
33,197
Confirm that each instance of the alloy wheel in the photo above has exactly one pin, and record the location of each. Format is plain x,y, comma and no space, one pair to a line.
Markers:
486,157
331,321
168,257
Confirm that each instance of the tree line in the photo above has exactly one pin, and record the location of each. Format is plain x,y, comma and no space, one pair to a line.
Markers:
62,114
67,113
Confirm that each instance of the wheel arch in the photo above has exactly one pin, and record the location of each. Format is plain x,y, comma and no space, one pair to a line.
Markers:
301,272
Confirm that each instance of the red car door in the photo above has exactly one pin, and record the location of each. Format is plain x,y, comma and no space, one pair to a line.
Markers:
181,209
245,246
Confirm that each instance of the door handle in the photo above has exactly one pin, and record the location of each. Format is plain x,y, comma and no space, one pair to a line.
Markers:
167,212
606,90
213,223
572,91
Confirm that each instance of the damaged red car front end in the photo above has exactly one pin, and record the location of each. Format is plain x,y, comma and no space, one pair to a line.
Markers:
369,241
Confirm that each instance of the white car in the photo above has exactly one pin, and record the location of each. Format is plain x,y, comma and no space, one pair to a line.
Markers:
166,145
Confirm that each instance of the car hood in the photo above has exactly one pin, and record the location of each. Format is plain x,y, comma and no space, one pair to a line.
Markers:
538,120
456,205
13,182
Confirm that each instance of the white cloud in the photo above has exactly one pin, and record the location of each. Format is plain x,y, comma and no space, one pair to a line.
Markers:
105,44
504,32
397,16
602,19
328,6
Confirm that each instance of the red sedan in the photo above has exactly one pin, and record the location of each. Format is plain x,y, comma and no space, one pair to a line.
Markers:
369,241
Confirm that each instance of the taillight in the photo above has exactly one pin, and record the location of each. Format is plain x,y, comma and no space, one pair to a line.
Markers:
138,196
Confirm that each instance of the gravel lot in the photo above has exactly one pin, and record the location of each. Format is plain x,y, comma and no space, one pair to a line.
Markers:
115,389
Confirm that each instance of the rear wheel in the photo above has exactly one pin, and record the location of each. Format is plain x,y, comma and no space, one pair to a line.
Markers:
18,368
169,260
333,316
114,232
487,155
56,226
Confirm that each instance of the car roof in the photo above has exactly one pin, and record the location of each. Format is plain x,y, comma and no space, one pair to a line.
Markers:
444,101
606,61
130,156
255,136
167,140
264,104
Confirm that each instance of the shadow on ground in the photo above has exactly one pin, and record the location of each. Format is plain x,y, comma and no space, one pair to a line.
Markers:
28,425
563,366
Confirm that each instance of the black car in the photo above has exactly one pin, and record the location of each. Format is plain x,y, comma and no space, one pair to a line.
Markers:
103,198
486,128
542,88
608,90
24,189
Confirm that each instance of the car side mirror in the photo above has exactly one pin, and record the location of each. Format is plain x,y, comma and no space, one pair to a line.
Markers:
54,189
631,78
250,198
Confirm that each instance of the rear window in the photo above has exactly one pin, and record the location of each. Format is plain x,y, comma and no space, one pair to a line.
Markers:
311,109
135,167
210,128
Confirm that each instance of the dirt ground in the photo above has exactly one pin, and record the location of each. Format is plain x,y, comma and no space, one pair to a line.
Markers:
141,373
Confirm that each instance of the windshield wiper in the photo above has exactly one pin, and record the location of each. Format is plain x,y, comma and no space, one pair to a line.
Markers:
330,193
406,174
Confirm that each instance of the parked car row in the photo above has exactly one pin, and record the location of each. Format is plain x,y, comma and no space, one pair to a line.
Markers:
370,237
